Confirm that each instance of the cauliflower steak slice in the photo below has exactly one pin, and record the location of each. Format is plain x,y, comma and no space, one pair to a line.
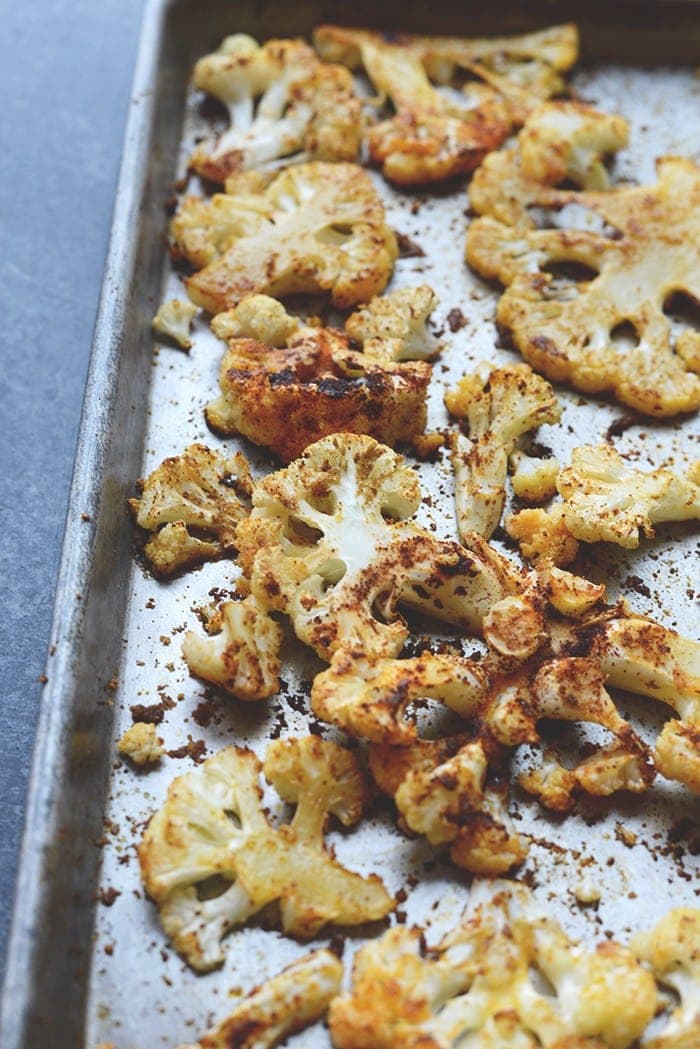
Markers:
569,333
193,839
330,543
316,227
281,100
477,987
191,506
430,137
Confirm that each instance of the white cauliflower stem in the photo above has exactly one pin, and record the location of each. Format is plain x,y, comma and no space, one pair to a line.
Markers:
242,656
192,840
317,227
281,99
190,504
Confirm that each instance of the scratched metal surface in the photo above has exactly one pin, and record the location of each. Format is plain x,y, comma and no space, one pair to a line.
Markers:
137,990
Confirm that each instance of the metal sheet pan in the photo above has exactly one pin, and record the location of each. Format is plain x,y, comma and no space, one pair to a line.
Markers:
81,973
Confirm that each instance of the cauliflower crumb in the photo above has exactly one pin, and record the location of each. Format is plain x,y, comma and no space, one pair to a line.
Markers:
141,744
587,891
174,319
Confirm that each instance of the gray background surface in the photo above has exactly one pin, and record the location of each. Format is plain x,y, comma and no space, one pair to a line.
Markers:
65,73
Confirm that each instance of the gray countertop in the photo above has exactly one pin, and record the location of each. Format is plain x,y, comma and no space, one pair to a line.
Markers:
66,71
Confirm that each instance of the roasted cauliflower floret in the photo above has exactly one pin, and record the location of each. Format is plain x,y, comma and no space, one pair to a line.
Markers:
281,100
534,480
330,543
498,405
174,319
193,839
369,698
641,656
430,137
477,988
560,141
288,1002
241,653
257,317
393,327
191,506
141,744
672,950
608,501
287,398
316,227
543,535
569,333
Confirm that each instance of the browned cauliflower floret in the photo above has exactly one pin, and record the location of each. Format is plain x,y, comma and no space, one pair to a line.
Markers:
534,480
174,319
141,744
288,397
672,950
641,656
431,137
369,698
190,504
607,500
569,333
561,141
288,1002
393,327
193,839
498,405
330,543
316,227
241,653
281,100
480,987
257,317
543,535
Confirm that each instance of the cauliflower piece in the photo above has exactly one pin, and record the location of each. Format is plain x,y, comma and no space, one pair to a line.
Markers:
257,317
317,227
534,480
393,327
315,385
192,839
569,334
141,744
189,504
302,104
430,137
499,405
286,1003
560,141
174,319
571,595
672,950
330,543
644,657
543,535
242,656
369,698
476,988
608,501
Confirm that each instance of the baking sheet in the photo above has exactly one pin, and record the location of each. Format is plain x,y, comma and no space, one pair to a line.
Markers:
132,989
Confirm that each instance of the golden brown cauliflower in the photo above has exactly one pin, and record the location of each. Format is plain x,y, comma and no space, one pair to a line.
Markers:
480,987
497,405
208,872
281,100
369,698
286,398
141,744
543,535
241,653
569,333
430,137
192,508
174,319
288,1002
672,951
330,543
560,141
316,227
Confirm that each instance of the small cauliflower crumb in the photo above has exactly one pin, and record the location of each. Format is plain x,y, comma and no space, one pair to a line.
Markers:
587,891
141,744
174,319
